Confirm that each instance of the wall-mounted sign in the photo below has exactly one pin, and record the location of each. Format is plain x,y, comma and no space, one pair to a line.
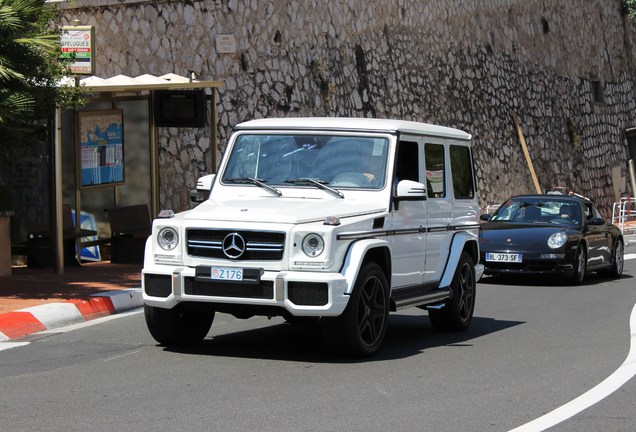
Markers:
225,44
101,147
78,46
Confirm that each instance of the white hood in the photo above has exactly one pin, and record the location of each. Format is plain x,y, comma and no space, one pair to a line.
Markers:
281,209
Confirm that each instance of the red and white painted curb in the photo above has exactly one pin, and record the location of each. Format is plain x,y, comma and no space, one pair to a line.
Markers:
48,316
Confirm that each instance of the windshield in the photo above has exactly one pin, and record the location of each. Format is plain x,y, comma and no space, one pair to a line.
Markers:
539,210
291,160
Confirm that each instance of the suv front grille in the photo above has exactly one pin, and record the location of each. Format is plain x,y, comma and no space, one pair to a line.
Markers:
258,245
262,290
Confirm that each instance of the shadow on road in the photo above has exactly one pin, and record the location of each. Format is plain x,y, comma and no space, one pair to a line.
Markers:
407,335
591,279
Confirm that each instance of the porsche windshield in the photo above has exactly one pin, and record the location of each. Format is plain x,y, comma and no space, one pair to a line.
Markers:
292,160
539,210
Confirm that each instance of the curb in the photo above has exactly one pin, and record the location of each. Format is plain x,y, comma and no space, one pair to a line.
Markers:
48,316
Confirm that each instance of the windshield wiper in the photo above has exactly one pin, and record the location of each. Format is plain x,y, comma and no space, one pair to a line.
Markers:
320,184
254,181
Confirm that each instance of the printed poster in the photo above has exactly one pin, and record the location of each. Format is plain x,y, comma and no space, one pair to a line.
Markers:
101,147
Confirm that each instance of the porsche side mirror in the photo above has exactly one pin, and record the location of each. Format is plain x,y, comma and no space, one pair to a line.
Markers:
597,221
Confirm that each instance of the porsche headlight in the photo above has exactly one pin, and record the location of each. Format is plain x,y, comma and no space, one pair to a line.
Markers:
313,245
557,240
168,238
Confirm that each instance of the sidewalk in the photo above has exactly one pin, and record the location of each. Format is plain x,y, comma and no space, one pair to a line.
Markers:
33,300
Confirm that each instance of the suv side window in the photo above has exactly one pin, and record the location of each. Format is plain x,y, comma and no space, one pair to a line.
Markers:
435,170
462,171
407,161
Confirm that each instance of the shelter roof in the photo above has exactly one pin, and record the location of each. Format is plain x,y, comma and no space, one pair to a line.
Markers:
146,82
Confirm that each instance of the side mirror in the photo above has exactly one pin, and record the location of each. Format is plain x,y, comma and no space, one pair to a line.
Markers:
409,189
204,184
596,221
202,192
485,217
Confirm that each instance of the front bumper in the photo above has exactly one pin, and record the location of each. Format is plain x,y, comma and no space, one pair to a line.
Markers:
299,293
532,264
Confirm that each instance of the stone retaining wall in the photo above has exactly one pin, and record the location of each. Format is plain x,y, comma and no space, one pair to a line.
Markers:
567,69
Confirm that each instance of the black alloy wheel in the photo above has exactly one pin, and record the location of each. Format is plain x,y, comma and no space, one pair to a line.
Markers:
183,325
361,328
457,313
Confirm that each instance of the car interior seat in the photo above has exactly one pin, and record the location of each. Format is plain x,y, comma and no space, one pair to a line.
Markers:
532,213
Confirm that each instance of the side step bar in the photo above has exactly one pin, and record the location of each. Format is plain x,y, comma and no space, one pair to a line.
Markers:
409,297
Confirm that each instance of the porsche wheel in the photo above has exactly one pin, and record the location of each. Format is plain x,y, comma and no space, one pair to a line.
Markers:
580,265
616,269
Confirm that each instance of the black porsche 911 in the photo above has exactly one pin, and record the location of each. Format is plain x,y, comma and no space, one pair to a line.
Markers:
550,234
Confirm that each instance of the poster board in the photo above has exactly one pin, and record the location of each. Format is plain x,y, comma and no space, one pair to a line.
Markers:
101,148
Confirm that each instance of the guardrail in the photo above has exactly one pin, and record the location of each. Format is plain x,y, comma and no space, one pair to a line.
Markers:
624,216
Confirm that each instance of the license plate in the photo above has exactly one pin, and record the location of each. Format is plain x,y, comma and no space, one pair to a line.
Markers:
230,274
504,257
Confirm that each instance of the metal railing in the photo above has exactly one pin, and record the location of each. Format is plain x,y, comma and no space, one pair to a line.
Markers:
624,216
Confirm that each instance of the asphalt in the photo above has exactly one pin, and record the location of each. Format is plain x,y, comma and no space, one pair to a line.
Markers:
37,299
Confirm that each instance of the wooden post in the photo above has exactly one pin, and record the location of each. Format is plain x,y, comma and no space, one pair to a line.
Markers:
525,152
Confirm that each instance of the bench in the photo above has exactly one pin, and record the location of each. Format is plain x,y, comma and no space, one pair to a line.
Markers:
130,226
39,249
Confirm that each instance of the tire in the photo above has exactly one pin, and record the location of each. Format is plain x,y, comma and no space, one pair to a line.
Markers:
182,325
457,313
361,328
616,270
580,266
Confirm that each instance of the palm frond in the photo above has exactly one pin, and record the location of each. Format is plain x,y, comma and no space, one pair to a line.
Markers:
7,71
14,106
47,42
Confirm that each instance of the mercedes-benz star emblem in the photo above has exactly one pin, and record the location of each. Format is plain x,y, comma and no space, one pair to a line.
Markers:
233,245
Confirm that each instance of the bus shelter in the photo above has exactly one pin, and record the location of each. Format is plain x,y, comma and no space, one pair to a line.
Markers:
89,161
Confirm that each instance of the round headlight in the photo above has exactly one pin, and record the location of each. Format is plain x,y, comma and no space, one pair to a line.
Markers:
168,238
313,245
557,240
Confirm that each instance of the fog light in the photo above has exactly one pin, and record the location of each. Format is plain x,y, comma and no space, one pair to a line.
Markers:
309,263
552,256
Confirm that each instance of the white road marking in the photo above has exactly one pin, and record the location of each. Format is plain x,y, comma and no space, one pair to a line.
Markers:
630,256
9,345
117,357
624,373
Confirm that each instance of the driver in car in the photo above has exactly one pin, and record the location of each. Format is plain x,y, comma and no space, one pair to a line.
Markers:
567,212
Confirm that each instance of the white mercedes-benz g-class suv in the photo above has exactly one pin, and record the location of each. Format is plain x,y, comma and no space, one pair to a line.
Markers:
342,219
